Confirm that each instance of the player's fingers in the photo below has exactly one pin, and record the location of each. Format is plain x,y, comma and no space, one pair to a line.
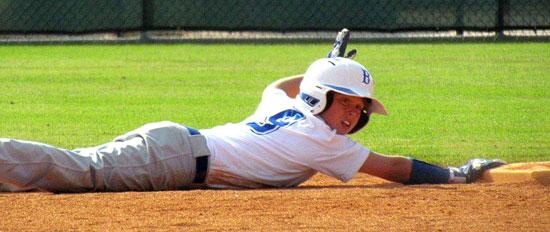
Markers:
340,44
351,54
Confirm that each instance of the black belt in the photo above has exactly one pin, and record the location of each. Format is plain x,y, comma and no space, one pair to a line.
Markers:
202,167
202,163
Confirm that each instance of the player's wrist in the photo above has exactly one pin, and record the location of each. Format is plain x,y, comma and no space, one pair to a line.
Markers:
456,176
425,173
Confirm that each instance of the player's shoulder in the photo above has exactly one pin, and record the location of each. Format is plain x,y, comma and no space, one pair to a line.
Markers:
270,92
273,99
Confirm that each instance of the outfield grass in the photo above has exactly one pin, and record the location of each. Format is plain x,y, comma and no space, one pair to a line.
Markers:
447,102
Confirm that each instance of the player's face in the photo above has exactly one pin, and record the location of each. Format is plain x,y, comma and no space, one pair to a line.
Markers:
344,113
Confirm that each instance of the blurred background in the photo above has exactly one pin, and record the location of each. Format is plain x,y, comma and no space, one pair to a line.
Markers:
145,21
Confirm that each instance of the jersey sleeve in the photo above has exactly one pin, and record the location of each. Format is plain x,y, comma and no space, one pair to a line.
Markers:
271,95
273,99
343,164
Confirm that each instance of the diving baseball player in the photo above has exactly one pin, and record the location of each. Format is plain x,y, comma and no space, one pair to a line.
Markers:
299,128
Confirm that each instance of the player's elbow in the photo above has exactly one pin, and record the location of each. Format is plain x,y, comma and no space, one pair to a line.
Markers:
392,168
291,85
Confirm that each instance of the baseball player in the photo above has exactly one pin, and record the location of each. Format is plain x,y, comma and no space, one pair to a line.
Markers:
299,128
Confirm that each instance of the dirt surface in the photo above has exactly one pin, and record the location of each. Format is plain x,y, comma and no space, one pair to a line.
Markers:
366,204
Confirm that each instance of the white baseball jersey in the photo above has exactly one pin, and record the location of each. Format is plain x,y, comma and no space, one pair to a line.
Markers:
279,146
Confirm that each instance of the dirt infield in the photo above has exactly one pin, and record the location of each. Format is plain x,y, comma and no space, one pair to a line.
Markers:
366,204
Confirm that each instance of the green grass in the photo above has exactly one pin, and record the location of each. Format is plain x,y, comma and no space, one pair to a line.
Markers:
447,102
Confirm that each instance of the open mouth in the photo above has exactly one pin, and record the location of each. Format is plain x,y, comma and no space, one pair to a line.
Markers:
346,123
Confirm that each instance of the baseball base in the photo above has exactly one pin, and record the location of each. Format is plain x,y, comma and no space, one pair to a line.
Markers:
519,172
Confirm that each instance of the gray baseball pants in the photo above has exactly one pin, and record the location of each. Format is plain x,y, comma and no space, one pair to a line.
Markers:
156,156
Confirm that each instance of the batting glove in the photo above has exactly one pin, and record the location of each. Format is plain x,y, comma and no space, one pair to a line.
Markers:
473,170
340,45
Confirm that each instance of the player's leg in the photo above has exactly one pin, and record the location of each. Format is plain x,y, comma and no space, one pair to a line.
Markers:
27,164
154,157
13,188
166,158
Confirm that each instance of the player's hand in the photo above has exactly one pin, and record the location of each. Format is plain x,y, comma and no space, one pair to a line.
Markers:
476,167
340,45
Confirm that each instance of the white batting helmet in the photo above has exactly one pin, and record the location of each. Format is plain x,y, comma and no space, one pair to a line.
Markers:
343,76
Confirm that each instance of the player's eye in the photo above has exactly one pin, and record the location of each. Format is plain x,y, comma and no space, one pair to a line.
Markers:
345,101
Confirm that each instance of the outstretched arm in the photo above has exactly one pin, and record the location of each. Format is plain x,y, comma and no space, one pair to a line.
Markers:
291,85
411,171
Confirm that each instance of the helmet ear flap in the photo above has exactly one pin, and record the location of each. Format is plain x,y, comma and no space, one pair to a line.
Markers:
363,120
328,101
312,97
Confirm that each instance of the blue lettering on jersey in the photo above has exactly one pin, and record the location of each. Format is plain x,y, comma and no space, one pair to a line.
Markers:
366,77
282,119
